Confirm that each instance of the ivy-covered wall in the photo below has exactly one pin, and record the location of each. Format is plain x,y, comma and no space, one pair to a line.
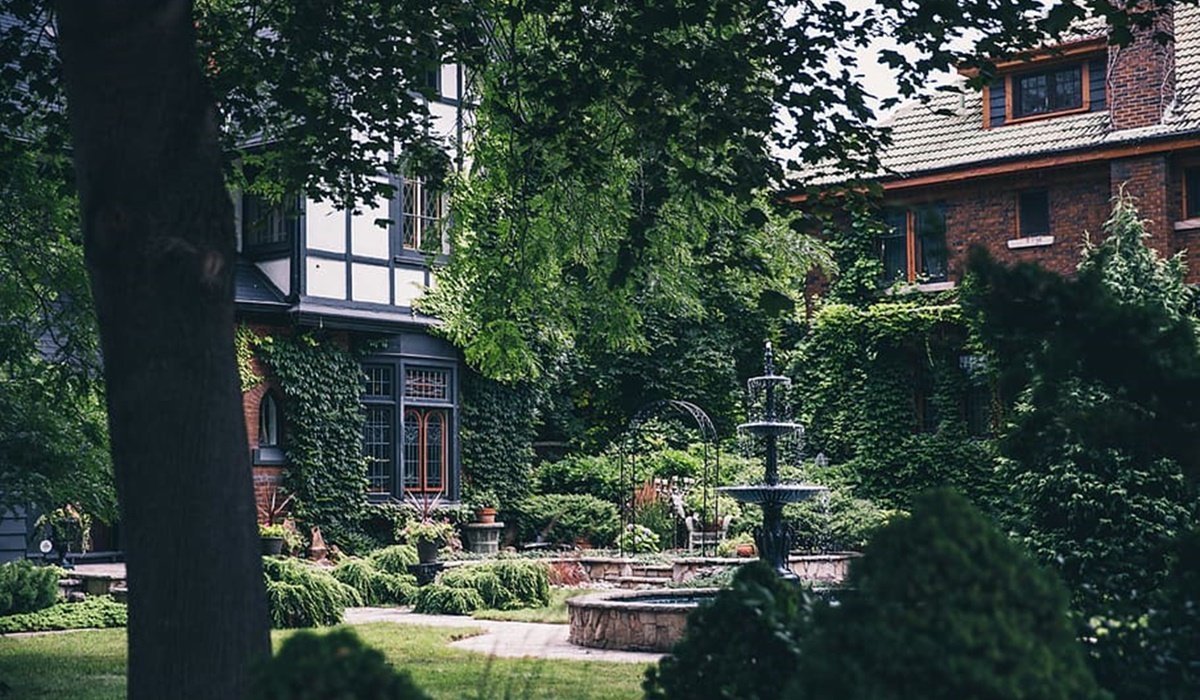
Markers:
891,392
321,381
497,426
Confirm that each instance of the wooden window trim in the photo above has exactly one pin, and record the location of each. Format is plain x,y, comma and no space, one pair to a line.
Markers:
423,416
1085,104
1017,203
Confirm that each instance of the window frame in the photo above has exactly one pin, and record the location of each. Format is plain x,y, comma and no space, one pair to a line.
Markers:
915,267
271,454
400,406
1011,83
1189,209
292,231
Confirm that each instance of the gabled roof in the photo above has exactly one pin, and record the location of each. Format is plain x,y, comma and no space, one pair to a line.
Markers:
946,131
252,289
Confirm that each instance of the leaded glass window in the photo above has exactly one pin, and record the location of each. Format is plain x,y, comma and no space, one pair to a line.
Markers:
377,447
1051,91
267,224
429,384
421,212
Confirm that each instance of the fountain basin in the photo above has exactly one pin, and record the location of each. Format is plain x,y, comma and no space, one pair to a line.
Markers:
634,620
777,494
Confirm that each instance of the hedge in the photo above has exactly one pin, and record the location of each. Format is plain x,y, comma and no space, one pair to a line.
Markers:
568,518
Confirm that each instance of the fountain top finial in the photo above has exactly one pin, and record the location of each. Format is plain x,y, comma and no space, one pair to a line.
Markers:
769,360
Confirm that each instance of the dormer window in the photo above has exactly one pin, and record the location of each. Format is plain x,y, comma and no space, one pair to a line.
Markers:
1057,90
270,226
1067,81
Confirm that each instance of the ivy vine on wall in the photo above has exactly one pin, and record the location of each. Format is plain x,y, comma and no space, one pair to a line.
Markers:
245,341
497,429
323,423
884,391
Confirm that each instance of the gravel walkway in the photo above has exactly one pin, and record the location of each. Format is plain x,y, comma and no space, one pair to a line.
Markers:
503,638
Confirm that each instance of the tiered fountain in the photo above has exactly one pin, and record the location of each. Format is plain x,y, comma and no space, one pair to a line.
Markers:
770,425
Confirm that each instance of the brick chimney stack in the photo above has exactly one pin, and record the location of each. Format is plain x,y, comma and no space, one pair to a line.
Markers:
1141,76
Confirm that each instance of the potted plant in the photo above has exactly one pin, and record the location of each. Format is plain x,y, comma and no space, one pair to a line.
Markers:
272,539
427,535
485,503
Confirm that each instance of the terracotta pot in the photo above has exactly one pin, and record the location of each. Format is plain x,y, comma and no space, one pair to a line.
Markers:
272,546
485,515
745,550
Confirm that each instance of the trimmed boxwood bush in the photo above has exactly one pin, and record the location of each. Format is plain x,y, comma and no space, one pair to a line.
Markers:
394,559
944,606
25,587
94,611
301,595
335,665
568,518
374,586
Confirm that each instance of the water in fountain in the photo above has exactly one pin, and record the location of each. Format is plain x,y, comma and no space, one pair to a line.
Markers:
770,424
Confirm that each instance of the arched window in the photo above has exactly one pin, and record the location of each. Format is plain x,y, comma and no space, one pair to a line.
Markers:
268,422
425,450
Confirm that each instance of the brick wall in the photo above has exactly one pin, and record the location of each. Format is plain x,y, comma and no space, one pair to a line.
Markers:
266,478
1148,179
984,213
1141,77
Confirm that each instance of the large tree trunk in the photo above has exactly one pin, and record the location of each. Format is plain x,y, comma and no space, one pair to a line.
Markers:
158,238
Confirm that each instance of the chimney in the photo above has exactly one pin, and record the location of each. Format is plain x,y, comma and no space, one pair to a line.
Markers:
1141,75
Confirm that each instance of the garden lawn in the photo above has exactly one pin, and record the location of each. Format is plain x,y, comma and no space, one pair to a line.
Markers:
555,612
90,664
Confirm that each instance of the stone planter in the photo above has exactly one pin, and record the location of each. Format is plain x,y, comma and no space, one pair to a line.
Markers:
427,551
272,546
482,538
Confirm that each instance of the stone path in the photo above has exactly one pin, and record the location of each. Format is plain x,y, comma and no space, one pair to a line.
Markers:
503,638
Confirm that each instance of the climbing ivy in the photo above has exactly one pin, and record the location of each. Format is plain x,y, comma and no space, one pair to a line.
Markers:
323,422
883,391
244,343
498,426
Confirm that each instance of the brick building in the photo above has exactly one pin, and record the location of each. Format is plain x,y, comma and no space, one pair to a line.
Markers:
1029,165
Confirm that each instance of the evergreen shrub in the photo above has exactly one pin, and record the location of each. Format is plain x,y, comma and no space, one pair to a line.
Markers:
91,612
440,599
25,587
502,585
568,518
375,587
313,666
302,595
971,616
497,428
394,559
744,645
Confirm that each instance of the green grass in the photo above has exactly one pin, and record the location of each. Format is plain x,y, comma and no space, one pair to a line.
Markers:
90,665
555,612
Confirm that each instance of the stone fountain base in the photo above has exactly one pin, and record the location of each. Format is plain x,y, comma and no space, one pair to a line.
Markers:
633,620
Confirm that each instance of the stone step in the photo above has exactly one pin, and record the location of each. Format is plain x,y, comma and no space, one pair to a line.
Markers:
120,593
640,581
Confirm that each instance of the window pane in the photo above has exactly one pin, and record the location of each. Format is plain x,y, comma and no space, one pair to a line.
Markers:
377,381
1034,213
893,246
421,213
268,422
264,223
1033,97
412,449
1068,89
435,449
430,384
377,446
931,239
1191,180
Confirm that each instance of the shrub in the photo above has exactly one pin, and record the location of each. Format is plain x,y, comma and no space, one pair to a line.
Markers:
301,595
595,475
395,559
440,599
972,617
375,587
567,518
529,581
335,665
638,539
94,611
741,646
25,587
501,585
